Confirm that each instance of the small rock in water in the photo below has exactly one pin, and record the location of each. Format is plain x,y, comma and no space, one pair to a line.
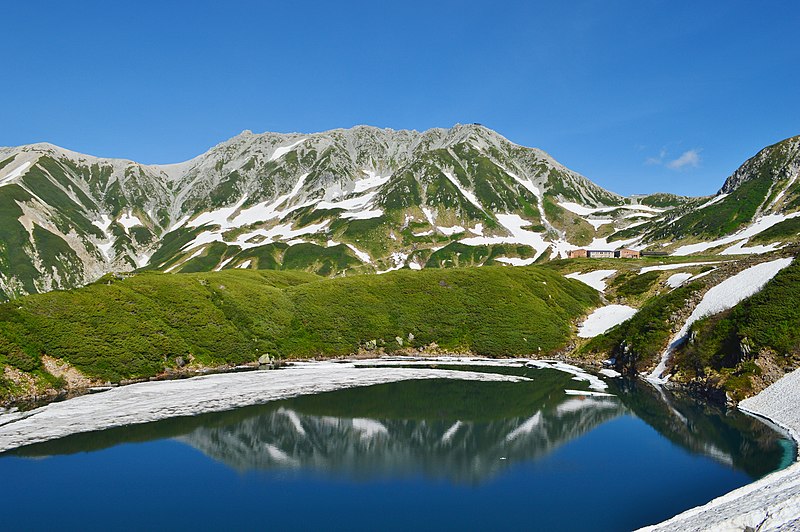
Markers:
264,360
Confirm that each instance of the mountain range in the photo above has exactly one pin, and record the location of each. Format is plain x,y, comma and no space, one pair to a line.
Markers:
357,200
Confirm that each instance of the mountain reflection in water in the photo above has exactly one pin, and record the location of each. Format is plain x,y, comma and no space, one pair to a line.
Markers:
458,450
462,431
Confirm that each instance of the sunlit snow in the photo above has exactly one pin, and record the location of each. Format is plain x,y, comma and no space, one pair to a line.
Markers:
721,297
15,173
678,279
283,150
595,279
759,226
603,319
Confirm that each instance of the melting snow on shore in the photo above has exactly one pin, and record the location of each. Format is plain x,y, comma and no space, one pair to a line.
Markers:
595,383
153,401
725,295
603,319
771,503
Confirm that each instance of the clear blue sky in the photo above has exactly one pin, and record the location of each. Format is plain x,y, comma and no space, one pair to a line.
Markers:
639,96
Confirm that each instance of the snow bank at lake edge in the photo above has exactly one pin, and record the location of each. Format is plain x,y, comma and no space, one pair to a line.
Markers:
158,400
770,503
154,401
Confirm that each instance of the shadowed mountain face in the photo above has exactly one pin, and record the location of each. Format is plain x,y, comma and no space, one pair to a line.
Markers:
461,431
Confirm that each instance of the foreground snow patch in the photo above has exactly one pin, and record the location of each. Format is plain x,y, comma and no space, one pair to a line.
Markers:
737,288
678,279
771,503
603,319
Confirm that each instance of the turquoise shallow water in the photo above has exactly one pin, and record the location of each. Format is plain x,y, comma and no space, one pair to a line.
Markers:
440,454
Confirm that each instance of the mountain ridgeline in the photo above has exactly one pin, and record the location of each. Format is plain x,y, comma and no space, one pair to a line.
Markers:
343,201
346,199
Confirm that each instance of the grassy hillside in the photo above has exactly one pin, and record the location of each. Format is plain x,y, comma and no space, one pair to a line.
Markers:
760,334
137,327
638,342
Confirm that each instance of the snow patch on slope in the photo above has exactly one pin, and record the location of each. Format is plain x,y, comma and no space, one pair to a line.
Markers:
362,255
759,226
676,266
740,249
467,194
605,318
15,173
582,210
514,261
514,224
723,296
128,221
283,150
678,279
595,279
373,180
597,223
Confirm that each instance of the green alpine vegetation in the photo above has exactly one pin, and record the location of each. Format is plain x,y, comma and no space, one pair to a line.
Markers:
344,202
140,326
638,342
760,334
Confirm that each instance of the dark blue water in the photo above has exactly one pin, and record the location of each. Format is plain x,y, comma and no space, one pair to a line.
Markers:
388,457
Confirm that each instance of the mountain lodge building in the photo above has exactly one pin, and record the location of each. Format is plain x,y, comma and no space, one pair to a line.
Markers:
623,253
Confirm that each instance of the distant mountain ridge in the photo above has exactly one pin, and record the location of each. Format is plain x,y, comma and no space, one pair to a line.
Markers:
347,200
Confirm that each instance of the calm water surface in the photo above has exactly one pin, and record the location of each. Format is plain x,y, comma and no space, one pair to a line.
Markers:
438,454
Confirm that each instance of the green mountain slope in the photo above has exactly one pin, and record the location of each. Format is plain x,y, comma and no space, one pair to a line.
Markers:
765,184
735,349
151,322
360,200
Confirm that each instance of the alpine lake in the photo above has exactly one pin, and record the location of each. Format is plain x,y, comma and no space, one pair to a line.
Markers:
435,454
